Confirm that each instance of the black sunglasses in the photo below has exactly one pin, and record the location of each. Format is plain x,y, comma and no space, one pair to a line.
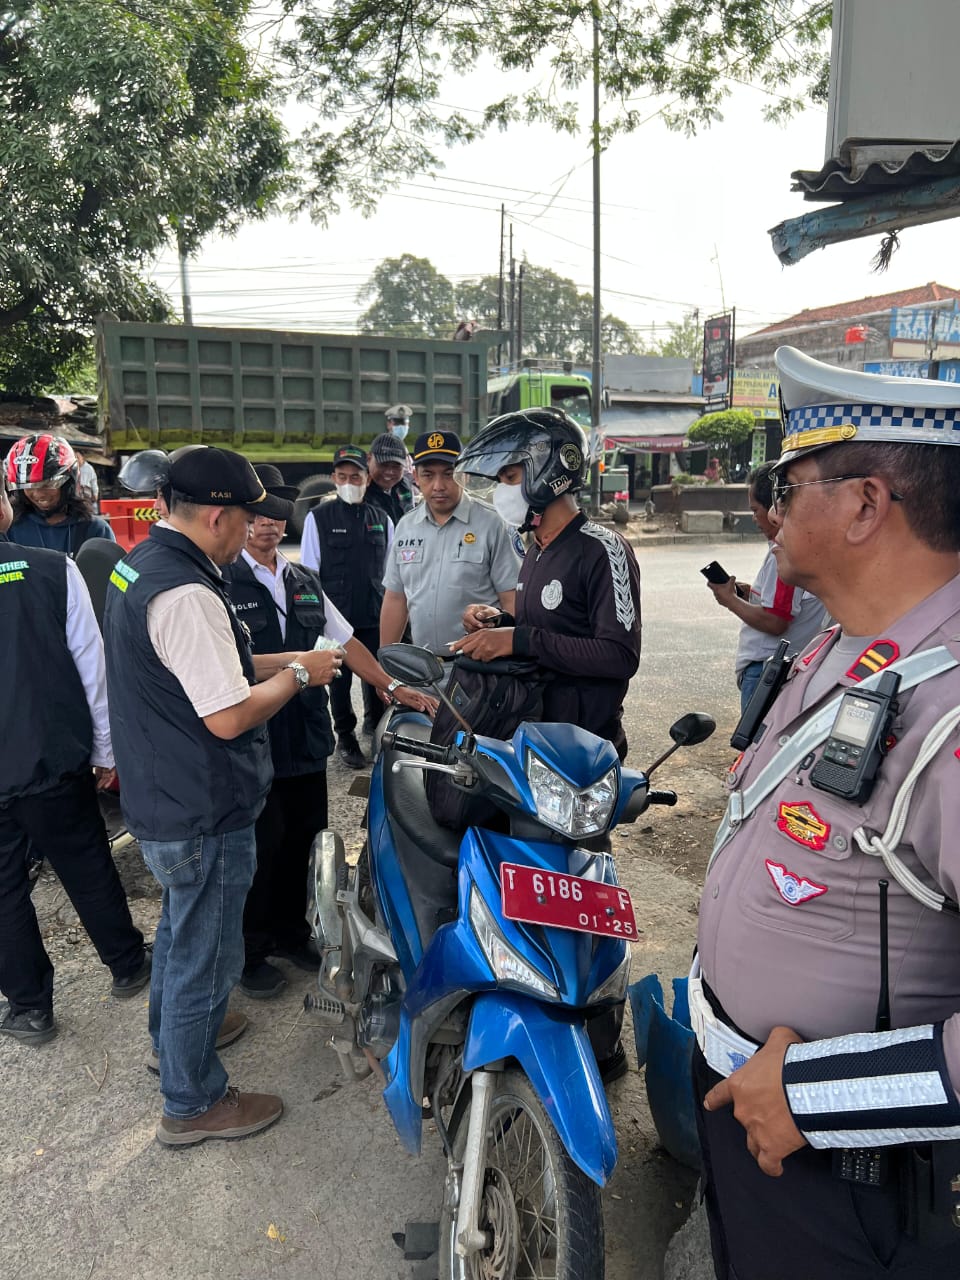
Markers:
781,490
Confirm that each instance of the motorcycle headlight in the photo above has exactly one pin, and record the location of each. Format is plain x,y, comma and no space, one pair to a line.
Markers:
566,809
615,986
506,963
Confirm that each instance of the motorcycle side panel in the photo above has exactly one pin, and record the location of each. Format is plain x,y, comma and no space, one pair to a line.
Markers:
560,1064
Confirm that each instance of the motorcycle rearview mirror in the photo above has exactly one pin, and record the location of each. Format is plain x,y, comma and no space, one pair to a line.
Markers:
410,664
690,729
415,666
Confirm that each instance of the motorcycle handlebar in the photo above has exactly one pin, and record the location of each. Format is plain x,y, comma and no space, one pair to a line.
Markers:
662,797
414,747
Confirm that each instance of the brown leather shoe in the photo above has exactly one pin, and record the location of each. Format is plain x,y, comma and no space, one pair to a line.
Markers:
232,1027
235,1116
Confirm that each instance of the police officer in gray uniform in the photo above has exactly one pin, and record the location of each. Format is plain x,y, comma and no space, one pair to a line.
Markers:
450,551
826,990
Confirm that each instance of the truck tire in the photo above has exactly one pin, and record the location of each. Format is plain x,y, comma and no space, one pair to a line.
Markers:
311,491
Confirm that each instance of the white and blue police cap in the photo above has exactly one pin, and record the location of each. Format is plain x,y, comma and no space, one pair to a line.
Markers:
821,405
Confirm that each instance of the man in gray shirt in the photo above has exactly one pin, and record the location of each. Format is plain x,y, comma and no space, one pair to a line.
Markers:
451,551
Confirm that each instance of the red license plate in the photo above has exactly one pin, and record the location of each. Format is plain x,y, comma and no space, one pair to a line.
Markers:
565,902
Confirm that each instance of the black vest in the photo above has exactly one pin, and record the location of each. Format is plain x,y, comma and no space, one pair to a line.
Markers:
45,726
353,547
395,504
301,737
177,779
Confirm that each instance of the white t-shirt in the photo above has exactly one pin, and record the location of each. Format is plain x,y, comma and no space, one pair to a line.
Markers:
771,593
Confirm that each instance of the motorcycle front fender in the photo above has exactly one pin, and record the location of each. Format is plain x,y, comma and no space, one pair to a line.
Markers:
556,1055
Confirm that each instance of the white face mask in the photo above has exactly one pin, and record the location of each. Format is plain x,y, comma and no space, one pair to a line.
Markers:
352,493
400,429
510,503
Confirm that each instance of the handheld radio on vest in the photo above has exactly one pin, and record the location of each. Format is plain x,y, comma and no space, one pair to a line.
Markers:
775,671
857,743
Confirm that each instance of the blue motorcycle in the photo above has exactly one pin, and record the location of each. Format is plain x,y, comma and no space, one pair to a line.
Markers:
464,967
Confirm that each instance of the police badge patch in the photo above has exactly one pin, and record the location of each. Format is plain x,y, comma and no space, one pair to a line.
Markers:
551,595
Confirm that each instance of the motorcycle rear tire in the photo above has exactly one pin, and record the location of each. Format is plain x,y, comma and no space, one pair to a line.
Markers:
553,1230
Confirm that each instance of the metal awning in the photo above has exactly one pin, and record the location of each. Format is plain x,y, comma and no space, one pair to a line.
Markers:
649,428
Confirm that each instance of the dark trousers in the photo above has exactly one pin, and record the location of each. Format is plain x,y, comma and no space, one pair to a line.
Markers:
341,705
806,1224
64,826
274,917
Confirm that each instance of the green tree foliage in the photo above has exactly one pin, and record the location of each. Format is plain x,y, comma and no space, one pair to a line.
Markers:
372,72
557,318
684,341
722,430
125,125
410,298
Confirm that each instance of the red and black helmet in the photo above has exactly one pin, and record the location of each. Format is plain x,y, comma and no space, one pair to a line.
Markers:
40,461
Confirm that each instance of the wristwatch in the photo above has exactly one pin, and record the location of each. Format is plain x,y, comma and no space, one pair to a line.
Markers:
393,685
302,674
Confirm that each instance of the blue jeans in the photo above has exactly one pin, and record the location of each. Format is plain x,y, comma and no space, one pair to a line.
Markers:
197,959
748,679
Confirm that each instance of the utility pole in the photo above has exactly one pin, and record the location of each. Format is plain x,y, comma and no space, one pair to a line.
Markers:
520,315
511,301
184,282
595,390
503,216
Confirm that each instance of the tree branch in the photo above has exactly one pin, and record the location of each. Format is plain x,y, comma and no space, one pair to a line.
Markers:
20,310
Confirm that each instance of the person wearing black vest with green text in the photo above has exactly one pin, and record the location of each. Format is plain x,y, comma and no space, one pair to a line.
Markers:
284,606
346,540
188,709
54,753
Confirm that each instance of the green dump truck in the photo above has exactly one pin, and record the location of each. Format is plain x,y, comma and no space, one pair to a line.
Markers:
277,396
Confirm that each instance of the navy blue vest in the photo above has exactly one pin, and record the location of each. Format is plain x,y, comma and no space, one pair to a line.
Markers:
301,736
177,779
45,726
353,547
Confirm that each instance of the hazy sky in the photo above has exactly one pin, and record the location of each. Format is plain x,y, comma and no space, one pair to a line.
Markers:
684,226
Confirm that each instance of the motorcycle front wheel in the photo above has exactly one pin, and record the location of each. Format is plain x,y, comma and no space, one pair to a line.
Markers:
542,1214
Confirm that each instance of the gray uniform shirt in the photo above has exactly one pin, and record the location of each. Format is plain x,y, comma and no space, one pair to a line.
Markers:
441,568
789,922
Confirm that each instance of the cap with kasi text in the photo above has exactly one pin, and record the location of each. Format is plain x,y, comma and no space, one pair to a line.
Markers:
221,478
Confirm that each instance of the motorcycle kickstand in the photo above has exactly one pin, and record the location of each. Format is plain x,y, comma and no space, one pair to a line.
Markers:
469,1237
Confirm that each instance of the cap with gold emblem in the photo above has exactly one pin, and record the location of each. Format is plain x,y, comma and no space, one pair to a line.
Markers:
437,446
821,405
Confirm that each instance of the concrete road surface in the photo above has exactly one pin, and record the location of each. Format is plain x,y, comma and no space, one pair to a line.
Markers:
88,1194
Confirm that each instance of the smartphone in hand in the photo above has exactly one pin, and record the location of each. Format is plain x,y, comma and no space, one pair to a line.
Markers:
714,572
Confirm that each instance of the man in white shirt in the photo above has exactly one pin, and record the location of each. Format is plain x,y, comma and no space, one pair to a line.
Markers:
284,607
55,752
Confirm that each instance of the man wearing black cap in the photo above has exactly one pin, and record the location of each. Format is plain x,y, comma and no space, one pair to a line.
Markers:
188,722
346,541
444,552
388,488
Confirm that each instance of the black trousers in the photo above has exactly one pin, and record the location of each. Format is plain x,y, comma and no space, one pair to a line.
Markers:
341,705
274,916
806,1224
64,825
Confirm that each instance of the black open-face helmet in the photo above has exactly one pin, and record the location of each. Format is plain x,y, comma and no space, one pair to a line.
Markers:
148,471
547,443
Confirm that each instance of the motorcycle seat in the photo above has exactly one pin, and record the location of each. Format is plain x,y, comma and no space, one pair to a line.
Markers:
407,800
